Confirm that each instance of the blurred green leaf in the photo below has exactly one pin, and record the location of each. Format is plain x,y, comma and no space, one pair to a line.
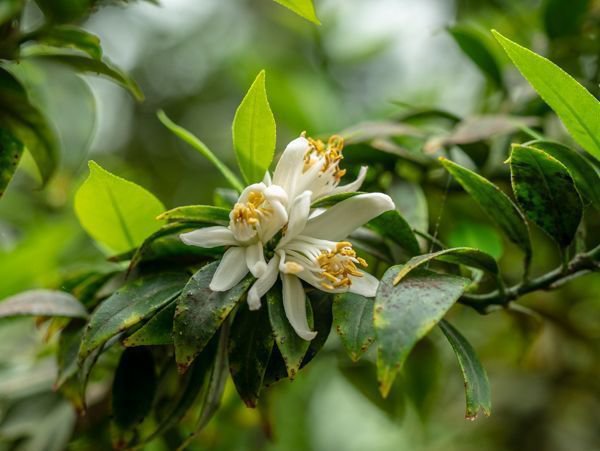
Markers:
42,303
128,306
353,322
472,45
250,347
72,37
303,8
25,122
495,203
11,150
200,312
320,304
467,256
546,193
405,313
157,331
575,106
116,212
65,10
477,386
254,132
68,349
411,202
393,226
197,213
9,9
469,233
563,18
583,173
290,345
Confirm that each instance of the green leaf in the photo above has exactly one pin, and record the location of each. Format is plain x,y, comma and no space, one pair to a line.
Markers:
250,347
65,10
410,200
583,173
290,345
353,322
393,226
470,233
133,388
42,303
546,193
333,199
467,256
9,9
472,45
494,203
157,331
405,313
477,386
83,64
575,106
254,132
11,150
321,307
197,213
303,8
66,355
72,37
128,306
564,18
193,141
200,312
116,212
27,124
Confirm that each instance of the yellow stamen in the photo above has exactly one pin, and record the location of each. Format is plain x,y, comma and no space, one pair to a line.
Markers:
338,264
331,153
252,210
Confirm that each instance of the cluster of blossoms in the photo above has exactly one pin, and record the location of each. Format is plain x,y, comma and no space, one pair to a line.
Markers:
273,231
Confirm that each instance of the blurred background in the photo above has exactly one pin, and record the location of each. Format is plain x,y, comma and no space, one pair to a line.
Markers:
369,60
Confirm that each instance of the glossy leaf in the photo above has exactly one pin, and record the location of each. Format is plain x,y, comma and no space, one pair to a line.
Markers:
116,212
497,205
200,312
321,307
197,213
290,345
393,226
128,306
353,322
157,331
405,313
73,37
546,193
250,347
254,132
477,386
303,8
467,256
26,123
575,106
42,303
11,150
583,173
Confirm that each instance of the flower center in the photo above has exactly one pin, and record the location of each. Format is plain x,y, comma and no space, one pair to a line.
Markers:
330,154
338,265
251,211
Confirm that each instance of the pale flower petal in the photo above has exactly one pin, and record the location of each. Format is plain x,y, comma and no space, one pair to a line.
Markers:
355,185
231,270
263,283
298,217
290,165
255,259
294,304
209,237
339,221
366,285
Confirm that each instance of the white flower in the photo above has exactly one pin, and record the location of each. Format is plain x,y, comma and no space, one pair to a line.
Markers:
311,250
310,165
254,220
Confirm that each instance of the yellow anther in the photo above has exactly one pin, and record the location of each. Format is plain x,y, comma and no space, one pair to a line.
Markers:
338,264
331,153
252,210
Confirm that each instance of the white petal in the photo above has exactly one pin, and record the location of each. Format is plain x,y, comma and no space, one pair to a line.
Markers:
209,237
365,285
294,304
298,217
340,220
259,187
267,179
263,283
274,222
276,193
255,259
231,270
290,165
355,185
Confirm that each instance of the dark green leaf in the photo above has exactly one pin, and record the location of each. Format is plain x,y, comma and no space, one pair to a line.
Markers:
564,18
197,213
63,11
353,322
329,201
477,387
157,331
42,303
11,150
405,313
68,348
495,203
411,202
128,306
250,347
393,226
583,173
200,312
72,37
321,306
9,9
546,193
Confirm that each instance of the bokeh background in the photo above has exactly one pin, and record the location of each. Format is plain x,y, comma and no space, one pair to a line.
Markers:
368,60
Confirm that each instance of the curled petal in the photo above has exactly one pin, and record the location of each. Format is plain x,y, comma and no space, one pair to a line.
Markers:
294,304
263,283
255,259
231,270
209,237
337,222
298,217
353,186
365,285
290,165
